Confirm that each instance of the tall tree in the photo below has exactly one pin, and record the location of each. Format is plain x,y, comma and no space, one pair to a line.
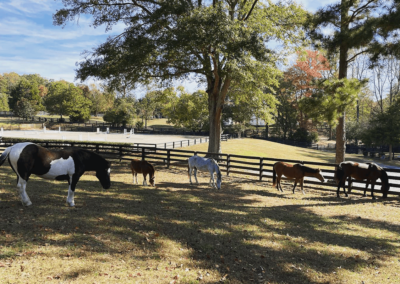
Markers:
310,65
356,25
213,40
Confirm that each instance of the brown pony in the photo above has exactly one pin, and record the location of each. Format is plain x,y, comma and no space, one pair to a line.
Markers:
142,167
296,172
359,171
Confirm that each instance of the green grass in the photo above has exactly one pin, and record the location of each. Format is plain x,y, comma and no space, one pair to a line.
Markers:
262,148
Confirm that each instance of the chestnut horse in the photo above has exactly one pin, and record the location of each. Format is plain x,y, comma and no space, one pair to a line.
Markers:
296,172
360,171
142,167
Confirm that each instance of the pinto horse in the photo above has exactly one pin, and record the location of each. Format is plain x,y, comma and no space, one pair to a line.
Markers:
296,172
60,164
360,171
145,168
198,163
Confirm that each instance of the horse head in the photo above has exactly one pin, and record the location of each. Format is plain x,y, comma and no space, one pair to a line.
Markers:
103,175
152,180
385,183
320,176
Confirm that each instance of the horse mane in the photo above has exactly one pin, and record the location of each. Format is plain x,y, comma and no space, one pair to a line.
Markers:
219,175
309,170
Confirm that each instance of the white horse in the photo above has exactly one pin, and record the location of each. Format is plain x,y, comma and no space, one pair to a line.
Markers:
204,164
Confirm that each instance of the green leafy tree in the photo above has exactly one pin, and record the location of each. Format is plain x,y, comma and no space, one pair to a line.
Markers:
384,128
65,98
79,105
100,100
189,111
331,99
286,110
26,91
147,105
57,100
123,112
24,108
213,40
356,25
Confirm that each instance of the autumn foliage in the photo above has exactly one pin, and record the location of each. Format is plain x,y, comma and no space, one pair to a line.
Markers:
310,65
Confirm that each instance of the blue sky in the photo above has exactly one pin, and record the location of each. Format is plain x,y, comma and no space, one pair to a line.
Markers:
30,43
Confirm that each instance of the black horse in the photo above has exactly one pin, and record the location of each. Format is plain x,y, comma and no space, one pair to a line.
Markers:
359,171
61,164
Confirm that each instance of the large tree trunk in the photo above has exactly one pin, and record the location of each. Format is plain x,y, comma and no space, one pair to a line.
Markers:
340,140
214,145
340,129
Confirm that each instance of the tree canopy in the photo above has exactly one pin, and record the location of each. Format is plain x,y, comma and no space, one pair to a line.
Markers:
215,41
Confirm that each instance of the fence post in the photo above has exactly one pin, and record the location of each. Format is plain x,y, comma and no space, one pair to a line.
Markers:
261,168
228,164
181,143
97,148
120,153
200,140
143,153
165,145
168,158
189,145
173,145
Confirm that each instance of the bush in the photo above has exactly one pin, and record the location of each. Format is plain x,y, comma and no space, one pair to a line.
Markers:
302,135
139,124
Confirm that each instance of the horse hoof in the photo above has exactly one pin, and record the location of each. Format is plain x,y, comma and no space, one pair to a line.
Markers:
373,198
364,195
71,204
346,195
29,203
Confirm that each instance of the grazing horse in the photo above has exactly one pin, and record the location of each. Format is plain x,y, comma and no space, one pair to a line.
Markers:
60,164
296,172
204,164
142,167
360,171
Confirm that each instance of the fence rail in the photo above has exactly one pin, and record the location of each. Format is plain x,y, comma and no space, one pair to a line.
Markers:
251,167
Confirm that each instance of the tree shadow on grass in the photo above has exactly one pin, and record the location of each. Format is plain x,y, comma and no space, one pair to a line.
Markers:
222,230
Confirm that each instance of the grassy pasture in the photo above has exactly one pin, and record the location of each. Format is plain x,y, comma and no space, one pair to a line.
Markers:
177,233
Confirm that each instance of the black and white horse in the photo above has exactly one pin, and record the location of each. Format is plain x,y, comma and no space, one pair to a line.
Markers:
203,164
61,164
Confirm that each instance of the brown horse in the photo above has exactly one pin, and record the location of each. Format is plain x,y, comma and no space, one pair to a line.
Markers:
359,171
296,172
142,167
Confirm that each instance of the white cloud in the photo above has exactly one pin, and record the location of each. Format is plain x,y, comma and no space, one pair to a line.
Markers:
29,7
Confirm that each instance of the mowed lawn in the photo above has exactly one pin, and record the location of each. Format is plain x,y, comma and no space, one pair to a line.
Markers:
177,233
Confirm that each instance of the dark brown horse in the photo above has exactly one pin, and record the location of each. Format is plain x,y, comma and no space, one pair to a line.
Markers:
359,171
145,168
296,172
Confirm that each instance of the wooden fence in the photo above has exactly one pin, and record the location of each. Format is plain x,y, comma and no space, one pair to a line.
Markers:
257,168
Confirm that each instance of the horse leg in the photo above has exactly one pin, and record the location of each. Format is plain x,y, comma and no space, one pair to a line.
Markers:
278,184
144,179
365,190
212,182
295,183
195,175
190,175
73,180
301,183
21,187
372,189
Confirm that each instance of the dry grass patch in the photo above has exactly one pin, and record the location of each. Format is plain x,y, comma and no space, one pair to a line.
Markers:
176,233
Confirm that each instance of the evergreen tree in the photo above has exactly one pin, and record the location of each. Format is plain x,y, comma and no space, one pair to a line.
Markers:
356,25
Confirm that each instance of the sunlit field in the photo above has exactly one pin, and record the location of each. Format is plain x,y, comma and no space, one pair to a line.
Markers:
247,232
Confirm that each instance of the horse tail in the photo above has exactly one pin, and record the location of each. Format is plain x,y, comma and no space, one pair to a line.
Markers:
274,175
188,168
5,154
